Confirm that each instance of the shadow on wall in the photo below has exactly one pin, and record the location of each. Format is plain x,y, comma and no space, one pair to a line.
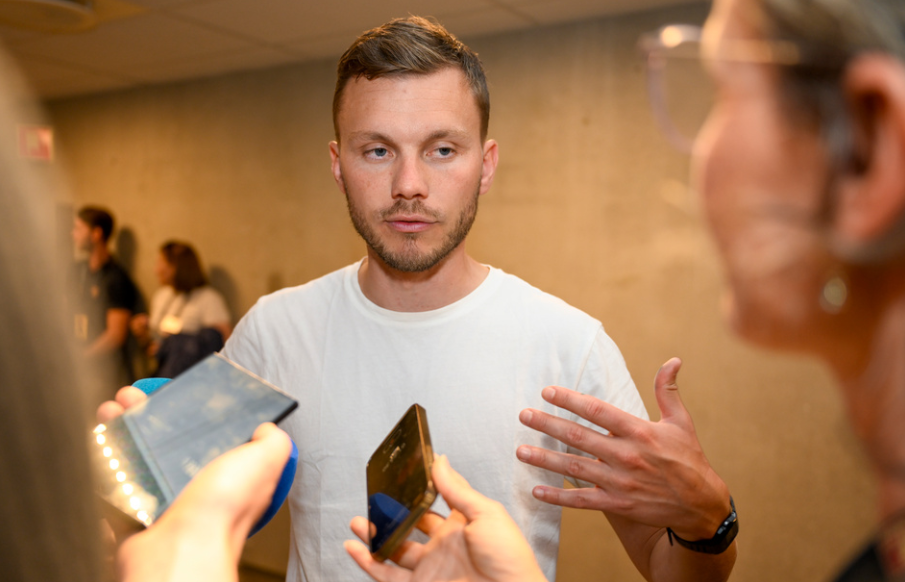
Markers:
126,249
275,282
222,281
126,245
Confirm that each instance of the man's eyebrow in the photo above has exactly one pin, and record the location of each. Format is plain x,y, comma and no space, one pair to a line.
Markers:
448,134
368,136
381,137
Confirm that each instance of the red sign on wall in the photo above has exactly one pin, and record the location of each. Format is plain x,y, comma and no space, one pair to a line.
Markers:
36,142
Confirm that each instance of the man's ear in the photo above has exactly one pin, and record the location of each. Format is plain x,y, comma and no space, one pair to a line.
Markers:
335,167
97,235
870,196
489,164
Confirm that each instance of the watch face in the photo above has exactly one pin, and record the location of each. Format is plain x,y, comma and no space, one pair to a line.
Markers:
719,543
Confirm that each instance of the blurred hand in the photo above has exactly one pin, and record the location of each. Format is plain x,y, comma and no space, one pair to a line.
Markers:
654,473
126,397
477,542
201,535
139,326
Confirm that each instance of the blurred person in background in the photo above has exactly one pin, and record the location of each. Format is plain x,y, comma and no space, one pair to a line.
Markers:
105,297
801,170
188,320
48,507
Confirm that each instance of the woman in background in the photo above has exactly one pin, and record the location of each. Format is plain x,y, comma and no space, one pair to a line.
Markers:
801,169
188,318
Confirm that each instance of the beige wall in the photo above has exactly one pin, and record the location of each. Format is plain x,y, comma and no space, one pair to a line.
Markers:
588,204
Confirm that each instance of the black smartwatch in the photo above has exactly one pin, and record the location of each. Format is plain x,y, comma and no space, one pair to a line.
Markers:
721,540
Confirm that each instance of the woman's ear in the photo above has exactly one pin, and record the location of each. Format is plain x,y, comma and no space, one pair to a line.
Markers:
870,195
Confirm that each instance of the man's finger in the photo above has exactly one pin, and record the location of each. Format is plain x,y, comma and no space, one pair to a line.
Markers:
108,411
429,522
359,527
465,502
603,414
406,556
126,397
574,466
568,432
129,396
581,498
667,392
382,572
270,445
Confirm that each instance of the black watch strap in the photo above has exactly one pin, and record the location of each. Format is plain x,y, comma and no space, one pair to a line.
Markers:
719,543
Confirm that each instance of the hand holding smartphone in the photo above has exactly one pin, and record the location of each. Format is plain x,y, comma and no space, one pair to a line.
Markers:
400,488
145,457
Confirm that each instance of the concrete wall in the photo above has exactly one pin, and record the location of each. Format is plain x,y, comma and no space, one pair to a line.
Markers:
589,204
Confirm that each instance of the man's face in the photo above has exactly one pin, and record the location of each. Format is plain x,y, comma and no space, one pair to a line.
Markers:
81,235
411,163
763,183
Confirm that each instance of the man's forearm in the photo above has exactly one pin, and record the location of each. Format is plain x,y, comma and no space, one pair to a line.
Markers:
658,561
106,343
115,333
673,563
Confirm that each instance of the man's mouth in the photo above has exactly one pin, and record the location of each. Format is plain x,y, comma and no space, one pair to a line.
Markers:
402,223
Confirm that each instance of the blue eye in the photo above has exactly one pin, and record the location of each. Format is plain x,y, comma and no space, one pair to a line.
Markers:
379,152
445,151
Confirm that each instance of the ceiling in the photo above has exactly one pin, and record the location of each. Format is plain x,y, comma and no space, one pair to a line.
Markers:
143,42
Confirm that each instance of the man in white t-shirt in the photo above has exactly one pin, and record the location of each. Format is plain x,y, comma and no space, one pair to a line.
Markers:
418,320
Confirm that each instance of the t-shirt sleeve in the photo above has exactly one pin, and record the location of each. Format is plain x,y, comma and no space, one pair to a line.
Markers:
122,294
243,345
213,309
605,376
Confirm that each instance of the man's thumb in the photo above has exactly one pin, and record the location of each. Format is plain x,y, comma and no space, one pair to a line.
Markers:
667,391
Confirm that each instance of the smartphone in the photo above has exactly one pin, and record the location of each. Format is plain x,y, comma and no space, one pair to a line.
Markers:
145,457
400,488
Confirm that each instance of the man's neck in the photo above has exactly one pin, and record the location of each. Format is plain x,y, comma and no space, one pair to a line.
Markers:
451,279
875,399
98,257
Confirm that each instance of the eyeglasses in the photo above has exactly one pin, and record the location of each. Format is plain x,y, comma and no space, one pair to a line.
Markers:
679,88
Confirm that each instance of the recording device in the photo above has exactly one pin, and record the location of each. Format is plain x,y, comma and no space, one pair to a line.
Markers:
145,457
400,488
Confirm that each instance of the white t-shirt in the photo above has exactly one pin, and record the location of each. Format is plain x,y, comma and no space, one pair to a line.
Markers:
473,365
201,307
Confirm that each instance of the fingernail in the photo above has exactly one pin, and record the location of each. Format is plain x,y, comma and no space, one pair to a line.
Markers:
548,393
540,493
523,453
525,416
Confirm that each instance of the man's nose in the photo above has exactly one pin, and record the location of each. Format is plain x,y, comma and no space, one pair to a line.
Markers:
410,181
